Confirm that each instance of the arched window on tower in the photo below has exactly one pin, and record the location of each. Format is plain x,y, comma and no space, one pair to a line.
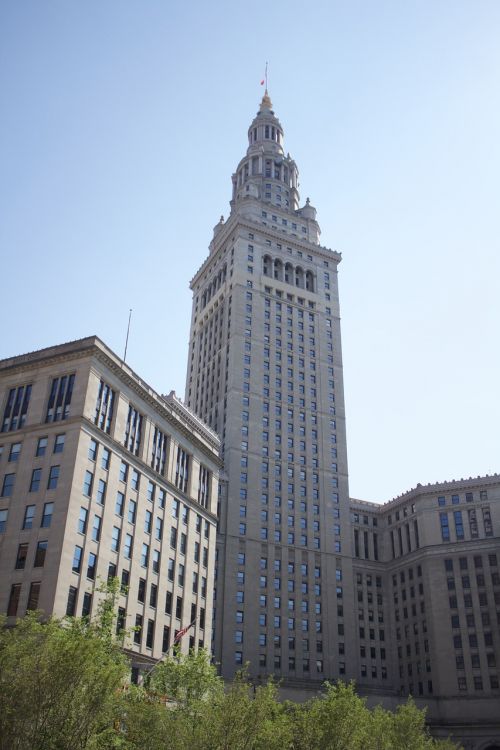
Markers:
288,273
278,269
309,281
299,277
267,263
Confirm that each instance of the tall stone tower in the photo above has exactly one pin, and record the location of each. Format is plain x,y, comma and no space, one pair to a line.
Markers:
265,371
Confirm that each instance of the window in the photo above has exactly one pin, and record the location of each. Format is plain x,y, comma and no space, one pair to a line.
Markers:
182,469
145,555
123,471
87,604
133,430
128,545
15,592
53,477
105,458
445,529
132,511
96,528
15,451
16,408
104,407
148,522
87,483
41,551
41,446
135,480
8,485
59,443
101,492
91,565
159,451
93,446
115,539
48,510
22,554
77,559
36,477
60,398
33,597
3,519
119,503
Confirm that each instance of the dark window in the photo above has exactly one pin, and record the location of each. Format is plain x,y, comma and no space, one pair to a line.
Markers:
87,604
14,415
8,485
104,407
53,477
48,510
159,451
133,430
22,554
60,398
41,551
29,515
71,603
15,591
33,596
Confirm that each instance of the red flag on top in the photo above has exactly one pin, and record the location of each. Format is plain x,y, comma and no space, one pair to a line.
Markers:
263,82
183,632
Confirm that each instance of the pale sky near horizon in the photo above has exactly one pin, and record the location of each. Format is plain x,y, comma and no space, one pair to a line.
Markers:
122,122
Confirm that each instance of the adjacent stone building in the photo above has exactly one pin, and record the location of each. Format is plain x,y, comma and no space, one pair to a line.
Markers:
101,477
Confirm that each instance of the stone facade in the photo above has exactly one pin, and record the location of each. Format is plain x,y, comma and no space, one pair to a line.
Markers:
311,585
100,476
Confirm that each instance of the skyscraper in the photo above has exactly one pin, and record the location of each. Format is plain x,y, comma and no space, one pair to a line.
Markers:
265,371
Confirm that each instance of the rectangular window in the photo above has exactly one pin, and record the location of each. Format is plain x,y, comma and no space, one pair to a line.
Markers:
104,407
93,447
71,603
16,408
105,458
33,597
204,486
22,554
60,398
8,485
133,430
87,604
41,551
36,477
91,566
159,451
101,492
119,503
77,559
115,539
459,525
182,469
3,519
48,510
41,446
87,483
82,520
445,529
96,528
15,451
59,443
15,592
53,477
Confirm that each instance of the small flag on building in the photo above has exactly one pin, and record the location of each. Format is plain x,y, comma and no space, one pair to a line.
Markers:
183,632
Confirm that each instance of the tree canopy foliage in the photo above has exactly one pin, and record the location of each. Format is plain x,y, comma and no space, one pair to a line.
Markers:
64,686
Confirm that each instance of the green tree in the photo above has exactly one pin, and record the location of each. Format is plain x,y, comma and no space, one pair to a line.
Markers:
58,685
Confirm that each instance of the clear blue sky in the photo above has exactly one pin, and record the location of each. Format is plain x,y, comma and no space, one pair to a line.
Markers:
122,122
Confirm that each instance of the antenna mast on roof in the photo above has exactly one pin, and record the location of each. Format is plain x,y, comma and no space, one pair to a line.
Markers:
128,331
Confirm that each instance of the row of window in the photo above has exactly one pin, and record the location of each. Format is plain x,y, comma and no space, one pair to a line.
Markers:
18,399
36,478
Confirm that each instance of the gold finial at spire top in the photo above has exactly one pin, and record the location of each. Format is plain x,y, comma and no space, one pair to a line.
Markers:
266,102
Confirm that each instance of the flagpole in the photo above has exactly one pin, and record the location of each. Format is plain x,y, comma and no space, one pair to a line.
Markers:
177,640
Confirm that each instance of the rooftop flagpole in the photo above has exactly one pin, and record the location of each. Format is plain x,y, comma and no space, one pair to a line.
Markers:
128,331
